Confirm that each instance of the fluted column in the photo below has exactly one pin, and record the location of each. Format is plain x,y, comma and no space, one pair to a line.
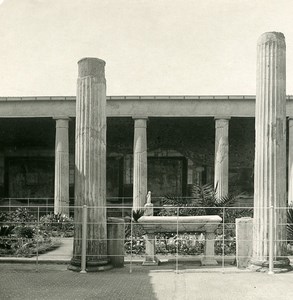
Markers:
90,162
270,148
61,191
139,163
290,163
221,179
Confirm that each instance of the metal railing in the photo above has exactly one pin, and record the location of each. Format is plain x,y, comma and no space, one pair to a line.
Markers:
29,228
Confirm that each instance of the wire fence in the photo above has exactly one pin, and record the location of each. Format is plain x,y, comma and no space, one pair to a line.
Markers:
175,238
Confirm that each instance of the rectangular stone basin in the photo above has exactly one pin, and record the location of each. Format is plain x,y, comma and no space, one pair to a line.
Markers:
158,224
154,224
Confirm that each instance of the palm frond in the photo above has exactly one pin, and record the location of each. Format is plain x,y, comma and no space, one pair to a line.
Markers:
136,214
290,223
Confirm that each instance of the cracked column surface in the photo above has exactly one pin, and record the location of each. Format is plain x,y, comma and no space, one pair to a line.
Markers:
61,190
270,149
139,163
90,163
221,178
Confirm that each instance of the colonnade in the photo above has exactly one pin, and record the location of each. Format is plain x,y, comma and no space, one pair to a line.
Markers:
61,203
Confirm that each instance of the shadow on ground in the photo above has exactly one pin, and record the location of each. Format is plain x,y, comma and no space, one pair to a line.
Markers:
29,281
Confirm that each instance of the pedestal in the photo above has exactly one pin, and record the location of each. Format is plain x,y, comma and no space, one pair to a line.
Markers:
209,251
150,251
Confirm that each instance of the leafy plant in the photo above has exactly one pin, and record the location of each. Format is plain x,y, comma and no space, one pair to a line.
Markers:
290,224
185,244
134,238
32,247
20,216
57,225
25,231
205,201
181,206
136,214
5,228
14,226
22,235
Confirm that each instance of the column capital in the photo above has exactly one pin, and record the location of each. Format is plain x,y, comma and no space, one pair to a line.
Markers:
290,118
61,118
92,66
140,122
142,117
222,118
272,37
61,122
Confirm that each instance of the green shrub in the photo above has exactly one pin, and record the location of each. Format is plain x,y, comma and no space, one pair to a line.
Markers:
20,216
134,238
39,245
21,235
204,201
14,226
25,232
57,225
185,244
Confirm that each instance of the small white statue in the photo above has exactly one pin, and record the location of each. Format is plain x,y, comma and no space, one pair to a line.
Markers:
149,197
149,207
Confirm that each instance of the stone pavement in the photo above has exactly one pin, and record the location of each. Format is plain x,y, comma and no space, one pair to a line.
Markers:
54,281
50,279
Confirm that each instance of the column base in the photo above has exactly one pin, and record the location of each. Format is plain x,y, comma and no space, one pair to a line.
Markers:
151,261
208,261
91,266
281,265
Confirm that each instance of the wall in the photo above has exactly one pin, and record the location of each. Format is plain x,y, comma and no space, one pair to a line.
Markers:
181,152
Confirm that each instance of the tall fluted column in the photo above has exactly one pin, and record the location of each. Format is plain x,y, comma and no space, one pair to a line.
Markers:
270,149
139,163
90,162
61,191
221,179
290,163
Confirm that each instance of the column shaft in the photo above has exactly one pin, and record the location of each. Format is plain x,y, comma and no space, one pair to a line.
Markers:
221,179
61,191
290,163
270,147
139,163
90,161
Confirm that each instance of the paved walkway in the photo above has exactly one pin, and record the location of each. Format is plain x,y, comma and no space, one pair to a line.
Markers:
24,281
20,280
62,254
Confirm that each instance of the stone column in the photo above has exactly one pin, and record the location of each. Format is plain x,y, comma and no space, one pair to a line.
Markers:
90,163
2,159
290,163
270,149
198,175
61,191
139,163
221,178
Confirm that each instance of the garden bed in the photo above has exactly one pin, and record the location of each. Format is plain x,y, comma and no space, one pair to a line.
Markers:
21,235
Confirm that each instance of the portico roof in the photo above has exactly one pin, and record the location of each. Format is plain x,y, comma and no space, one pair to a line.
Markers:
131,106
